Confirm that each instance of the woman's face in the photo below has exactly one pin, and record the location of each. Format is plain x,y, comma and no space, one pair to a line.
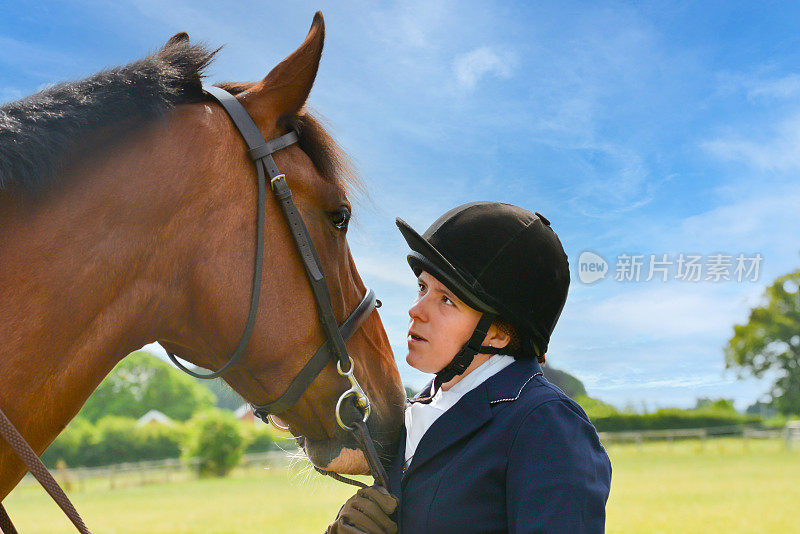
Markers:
440,324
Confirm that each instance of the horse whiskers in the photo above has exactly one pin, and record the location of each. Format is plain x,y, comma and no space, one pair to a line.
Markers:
296,458
305,472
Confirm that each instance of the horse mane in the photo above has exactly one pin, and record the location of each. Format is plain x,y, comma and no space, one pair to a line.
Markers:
40,132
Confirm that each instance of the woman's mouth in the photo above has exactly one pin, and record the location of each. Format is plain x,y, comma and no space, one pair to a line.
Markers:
413,337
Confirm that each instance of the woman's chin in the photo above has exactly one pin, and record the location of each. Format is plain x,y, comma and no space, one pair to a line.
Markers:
414,360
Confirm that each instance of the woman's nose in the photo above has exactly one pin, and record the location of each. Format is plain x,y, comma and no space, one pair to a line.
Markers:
417,310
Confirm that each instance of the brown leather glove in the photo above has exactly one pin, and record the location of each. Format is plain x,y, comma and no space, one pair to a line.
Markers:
366,512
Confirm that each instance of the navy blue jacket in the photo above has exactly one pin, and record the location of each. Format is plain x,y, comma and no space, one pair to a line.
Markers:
513,455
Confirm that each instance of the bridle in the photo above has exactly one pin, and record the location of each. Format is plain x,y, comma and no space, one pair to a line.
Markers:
260,152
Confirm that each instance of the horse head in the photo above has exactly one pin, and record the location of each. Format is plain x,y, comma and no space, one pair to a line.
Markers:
219,271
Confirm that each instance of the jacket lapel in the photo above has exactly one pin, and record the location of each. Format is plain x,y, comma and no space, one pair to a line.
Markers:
395,472
469,414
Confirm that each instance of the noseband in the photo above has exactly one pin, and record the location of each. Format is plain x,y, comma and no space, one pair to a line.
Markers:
260,152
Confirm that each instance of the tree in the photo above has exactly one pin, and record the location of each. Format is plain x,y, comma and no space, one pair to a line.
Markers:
567,383
714,405
215,438
771,341
595,408
763,409
227,398
140,383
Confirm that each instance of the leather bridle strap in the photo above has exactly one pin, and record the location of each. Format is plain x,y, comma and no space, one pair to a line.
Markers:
262,151
311,264
375,466
6,526
317,362
40,472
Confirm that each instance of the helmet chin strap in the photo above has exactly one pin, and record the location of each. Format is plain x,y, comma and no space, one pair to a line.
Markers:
464,357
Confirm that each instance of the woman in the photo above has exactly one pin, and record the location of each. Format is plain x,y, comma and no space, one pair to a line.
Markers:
489,445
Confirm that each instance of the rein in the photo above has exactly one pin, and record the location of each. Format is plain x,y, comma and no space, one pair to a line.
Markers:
260,152
35,466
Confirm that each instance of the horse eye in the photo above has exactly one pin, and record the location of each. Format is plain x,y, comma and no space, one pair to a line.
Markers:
340,218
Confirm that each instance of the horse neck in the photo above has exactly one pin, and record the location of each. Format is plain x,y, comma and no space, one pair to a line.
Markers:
89,272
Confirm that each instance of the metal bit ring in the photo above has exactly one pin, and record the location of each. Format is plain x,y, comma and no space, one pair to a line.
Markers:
361,401
276,425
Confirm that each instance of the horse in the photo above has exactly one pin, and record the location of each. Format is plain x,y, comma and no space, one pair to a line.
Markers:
127,205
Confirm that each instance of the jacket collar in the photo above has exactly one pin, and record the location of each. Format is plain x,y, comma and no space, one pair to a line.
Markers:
507,385
472,411
502,387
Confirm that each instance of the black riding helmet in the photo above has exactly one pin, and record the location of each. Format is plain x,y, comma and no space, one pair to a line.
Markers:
501,260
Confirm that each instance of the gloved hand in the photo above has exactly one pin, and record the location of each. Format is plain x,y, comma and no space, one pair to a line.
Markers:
366,512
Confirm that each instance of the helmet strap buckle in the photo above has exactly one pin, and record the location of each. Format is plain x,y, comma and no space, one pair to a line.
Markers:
464,357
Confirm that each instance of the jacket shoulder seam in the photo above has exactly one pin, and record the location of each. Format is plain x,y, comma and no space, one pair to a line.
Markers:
510,399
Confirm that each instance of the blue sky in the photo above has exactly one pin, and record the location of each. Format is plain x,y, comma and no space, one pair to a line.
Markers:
636,128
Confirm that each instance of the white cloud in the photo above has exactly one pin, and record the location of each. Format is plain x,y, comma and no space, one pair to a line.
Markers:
678,382
785,87
156,350
779,153
374,268
750,223
661,311
412,24
616,180
469,68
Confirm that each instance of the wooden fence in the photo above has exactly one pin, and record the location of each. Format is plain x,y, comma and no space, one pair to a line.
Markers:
790,434
149,472
171,470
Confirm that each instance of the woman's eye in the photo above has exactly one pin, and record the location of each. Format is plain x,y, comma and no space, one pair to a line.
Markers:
448,301
341,218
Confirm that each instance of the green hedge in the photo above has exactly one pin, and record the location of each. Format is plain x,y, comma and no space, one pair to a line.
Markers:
71,444
607,418
113,440
670,419
217,440
259,438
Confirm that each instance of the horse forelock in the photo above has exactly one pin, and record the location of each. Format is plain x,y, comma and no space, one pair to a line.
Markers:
330,160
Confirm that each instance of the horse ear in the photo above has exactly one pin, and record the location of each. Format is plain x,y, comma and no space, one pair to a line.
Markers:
287,86
181,37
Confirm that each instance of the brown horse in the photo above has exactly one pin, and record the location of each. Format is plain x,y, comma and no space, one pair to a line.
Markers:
127,215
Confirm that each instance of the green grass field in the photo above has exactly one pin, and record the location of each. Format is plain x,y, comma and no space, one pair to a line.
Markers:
715,486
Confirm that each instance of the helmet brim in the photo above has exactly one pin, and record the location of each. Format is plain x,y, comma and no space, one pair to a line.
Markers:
425,257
